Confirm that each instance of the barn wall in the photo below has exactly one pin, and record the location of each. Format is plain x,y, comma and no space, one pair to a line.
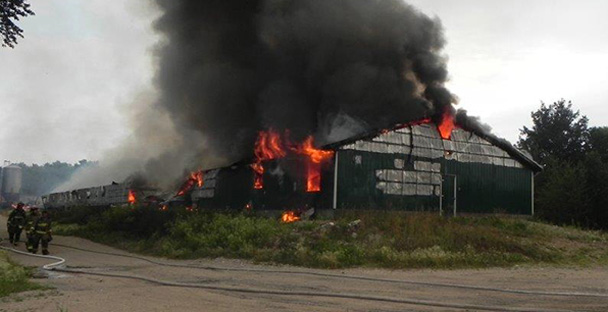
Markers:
226,188
484,188
369,180
231,188
409,169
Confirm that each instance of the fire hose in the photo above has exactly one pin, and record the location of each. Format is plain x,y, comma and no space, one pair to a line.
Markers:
59,266
351,277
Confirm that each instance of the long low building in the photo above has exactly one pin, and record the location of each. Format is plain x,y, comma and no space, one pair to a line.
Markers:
408,168
114,194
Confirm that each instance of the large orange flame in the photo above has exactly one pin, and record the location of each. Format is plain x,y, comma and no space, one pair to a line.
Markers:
289,217
195,178
447,124
131,197
316,157
267,147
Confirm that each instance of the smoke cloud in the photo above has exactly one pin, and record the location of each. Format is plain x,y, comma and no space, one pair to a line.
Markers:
231,68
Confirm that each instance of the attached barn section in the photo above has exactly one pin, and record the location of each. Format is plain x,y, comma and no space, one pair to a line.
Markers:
410,168
414,169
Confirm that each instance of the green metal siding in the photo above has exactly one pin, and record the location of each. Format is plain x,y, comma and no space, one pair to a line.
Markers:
233,189
405,169
357,184
483,188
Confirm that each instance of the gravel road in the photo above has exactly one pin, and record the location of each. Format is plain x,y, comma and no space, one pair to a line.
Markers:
78,292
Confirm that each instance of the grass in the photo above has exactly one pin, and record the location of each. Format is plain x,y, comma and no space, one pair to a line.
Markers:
381,239
14,278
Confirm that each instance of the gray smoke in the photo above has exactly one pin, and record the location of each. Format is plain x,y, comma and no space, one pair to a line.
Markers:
230,68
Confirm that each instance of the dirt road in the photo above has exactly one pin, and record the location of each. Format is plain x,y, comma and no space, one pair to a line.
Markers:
77,292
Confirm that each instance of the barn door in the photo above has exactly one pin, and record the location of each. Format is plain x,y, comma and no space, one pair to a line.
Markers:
449,195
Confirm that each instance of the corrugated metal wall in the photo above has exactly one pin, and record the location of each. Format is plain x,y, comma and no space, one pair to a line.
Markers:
410,168
363,184
483,188
407,169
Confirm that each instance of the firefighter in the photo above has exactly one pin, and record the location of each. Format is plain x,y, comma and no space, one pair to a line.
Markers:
31,220
42,233
15,224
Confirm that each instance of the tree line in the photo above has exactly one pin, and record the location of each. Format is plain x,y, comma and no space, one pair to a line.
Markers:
573,187
42,179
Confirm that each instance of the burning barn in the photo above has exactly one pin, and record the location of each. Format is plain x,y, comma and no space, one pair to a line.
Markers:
414,167
281,70
234,73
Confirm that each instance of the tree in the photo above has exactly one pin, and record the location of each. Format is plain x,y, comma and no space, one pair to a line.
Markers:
573,188
11,11
598,142
597,188
558,131
563,197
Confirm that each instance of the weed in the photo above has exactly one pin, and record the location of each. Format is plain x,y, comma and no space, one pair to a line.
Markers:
14,278
382,239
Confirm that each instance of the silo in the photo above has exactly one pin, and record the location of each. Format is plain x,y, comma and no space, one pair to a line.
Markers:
11,182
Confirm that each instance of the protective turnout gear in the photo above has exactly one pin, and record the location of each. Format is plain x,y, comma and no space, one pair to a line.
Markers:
15,224
42,234
30,223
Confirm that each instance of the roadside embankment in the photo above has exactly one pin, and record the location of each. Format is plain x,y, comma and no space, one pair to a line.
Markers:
378,239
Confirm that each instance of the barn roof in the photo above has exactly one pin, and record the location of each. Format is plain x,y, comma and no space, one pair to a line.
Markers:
503,144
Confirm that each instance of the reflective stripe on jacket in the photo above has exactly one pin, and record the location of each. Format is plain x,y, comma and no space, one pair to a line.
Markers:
43,226
31,222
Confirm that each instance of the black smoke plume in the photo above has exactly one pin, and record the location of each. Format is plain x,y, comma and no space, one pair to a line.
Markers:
230,68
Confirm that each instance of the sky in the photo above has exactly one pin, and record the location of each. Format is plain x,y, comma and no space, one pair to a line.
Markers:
66,89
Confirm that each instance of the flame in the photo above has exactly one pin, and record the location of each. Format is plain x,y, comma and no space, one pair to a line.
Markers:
447,124
199,178
258,169
195,178
131,197
289,217
313,178
267,147
316,155
313,169
445,127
